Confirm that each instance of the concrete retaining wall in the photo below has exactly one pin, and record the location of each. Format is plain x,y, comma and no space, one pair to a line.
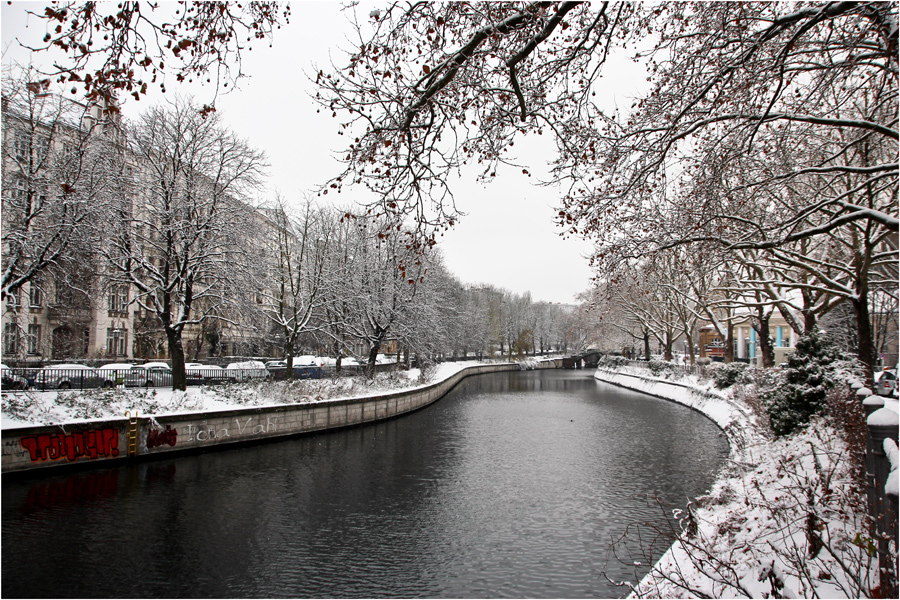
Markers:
92,442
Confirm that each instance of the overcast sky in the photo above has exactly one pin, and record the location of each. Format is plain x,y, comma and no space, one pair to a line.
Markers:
507,238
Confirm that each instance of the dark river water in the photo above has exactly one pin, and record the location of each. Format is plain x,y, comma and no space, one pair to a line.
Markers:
513,485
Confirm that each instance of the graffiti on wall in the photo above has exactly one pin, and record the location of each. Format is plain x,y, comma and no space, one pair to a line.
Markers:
13,448
90,444
158,437
241,427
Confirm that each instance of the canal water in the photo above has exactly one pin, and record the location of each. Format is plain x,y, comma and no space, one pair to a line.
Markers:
513,485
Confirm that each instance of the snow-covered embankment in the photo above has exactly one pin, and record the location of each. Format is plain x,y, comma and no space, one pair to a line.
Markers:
784,519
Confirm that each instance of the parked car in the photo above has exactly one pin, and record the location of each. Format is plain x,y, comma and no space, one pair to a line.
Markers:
11,381
307,372
156,374
886,382
69,376
247,370
114,373
276,364
300,372
208,374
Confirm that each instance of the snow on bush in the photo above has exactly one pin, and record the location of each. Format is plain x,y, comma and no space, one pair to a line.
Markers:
662,368
790,525
613,362
728,374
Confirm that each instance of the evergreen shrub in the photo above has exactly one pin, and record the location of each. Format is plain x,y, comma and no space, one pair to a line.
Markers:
800,391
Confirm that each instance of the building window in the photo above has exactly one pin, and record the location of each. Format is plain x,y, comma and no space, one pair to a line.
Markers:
21,146
86,342
118,299
116,341
12,300
10,338
21,190
34,339
35,296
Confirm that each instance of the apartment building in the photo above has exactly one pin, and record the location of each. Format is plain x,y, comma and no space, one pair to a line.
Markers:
56,153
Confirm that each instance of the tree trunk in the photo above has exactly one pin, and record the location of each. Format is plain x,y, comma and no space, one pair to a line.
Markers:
766,349
729,341
289,359
176,351
810,321
866,348
339,355
373,357
646,344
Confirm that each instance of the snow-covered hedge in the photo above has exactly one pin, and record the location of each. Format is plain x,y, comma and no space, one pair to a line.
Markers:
728,374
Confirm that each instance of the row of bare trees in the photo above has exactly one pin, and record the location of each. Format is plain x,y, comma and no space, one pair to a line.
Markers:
158,207
665,298
765,149
334,279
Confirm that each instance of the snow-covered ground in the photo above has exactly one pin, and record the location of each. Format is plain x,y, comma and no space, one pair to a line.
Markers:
29,408
784,518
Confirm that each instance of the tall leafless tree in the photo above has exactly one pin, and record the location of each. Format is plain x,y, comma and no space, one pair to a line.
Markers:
178,211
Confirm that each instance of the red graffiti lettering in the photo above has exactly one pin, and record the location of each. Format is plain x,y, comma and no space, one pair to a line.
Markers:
72,446
158,437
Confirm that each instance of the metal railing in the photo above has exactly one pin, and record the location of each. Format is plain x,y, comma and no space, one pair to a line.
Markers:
53,378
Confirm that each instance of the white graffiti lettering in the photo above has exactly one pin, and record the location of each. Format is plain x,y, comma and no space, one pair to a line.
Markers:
206,434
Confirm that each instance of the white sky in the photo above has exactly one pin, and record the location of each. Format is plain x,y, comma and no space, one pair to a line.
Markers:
507,238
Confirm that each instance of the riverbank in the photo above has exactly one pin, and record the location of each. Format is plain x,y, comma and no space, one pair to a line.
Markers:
93,431
784,518
35,408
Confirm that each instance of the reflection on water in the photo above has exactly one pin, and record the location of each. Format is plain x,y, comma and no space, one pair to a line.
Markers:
513,485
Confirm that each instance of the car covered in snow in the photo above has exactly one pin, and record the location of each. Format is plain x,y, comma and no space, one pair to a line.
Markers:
307,360
114,373
304,367
156,374
208,374
886,382
247,370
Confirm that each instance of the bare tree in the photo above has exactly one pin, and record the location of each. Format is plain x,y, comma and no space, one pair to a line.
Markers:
297,282
175,239
383,288
112,50
54,170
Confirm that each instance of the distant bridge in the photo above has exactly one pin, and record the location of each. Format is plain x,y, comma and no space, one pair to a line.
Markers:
585,360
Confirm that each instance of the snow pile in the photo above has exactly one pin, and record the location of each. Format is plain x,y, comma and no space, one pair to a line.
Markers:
30,408
890,449
785,518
